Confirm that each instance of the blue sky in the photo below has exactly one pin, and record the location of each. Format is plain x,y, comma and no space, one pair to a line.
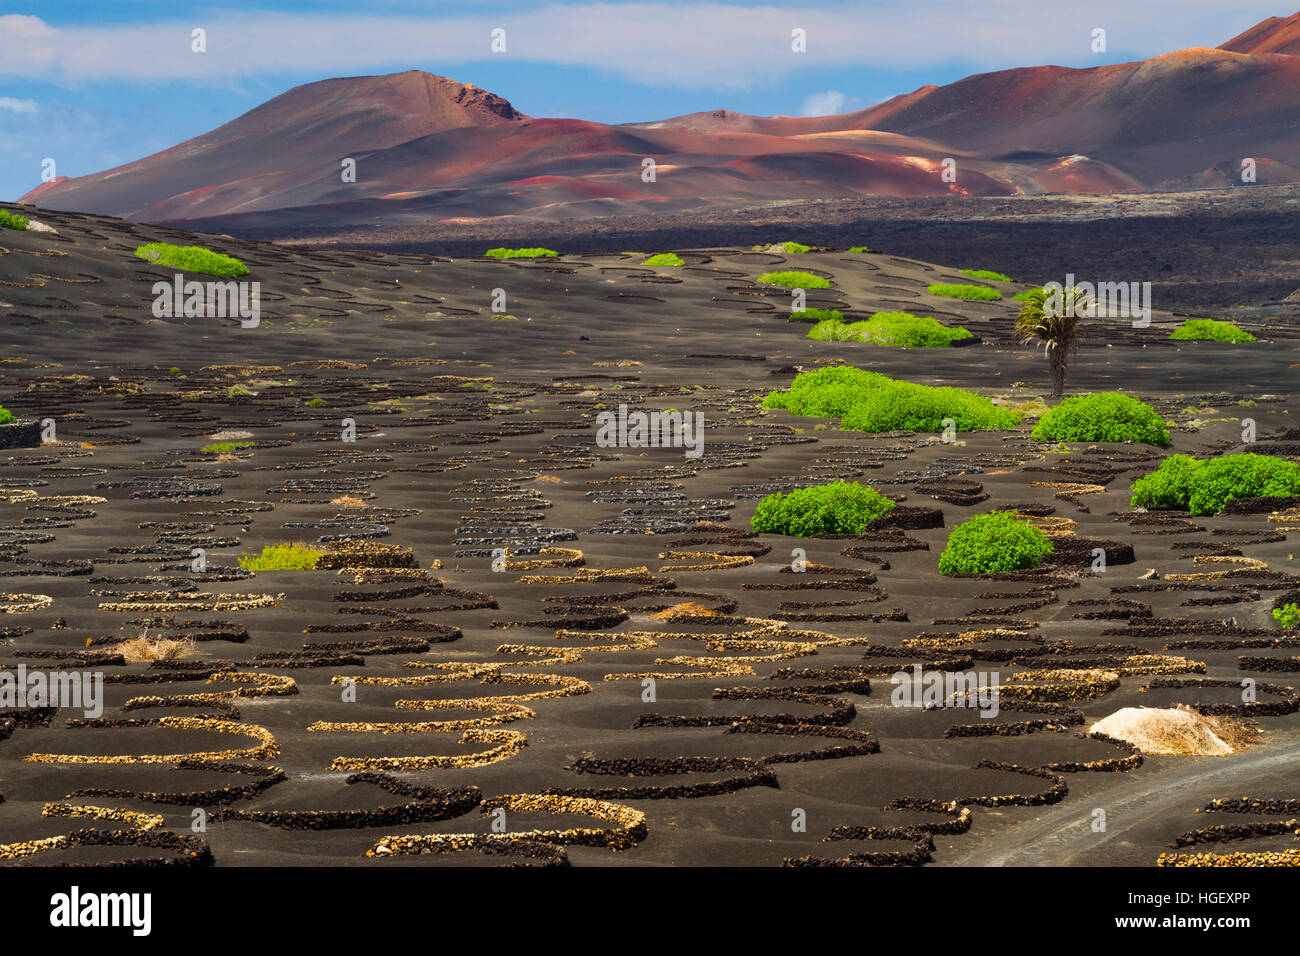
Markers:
96,84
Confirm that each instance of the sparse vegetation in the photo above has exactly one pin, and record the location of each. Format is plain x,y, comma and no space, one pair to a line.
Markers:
1211,330
992,543
788,247
794,279
898,329
282,557
952,290
985,274
840,507
858,249
816,315
869,401
144,648
351,502
6,416
225,447
1204,486
191,259
665,259
238,391
316,402
1060,335
1105,416
533,252
11,220
1288,615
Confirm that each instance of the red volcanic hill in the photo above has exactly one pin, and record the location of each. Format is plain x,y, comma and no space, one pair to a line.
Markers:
1274,35
428,148
292,135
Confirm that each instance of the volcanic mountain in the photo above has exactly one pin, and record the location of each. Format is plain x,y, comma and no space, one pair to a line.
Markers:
429,149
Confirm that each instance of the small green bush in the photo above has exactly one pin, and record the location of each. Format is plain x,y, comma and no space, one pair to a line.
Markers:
858,249
282,557
6,416
238,391
992,543
896,329
316,402
1210,329
840,507
1105,416
532,252
985,274
1204,486
981,293
826,392
905,406
1288,615
665,259
225,447
11,220
191,259
869,401
816,315
794,279
1024,296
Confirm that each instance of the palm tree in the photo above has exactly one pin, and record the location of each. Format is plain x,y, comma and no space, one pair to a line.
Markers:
1056,321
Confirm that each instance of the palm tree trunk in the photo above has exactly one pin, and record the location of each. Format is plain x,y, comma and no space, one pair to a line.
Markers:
1057,360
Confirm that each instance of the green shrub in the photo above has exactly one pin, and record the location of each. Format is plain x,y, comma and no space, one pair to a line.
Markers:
1210,329
11,220
1024,296
1106,416
816,315
794,279
1288,615
665,259
1203,486
869,401
534,252
955,291
840,507
238,391
985,274
794,248
994,542
282,557
191,259
225,447
858,249
826,392
316,402
6,416
898,329
905,406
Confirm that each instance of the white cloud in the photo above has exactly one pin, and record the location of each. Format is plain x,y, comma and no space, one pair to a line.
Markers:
713,45
828,103
17,106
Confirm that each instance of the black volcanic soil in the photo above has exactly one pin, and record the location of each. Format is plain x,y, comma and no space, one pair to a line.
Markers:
475,433
1211,252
